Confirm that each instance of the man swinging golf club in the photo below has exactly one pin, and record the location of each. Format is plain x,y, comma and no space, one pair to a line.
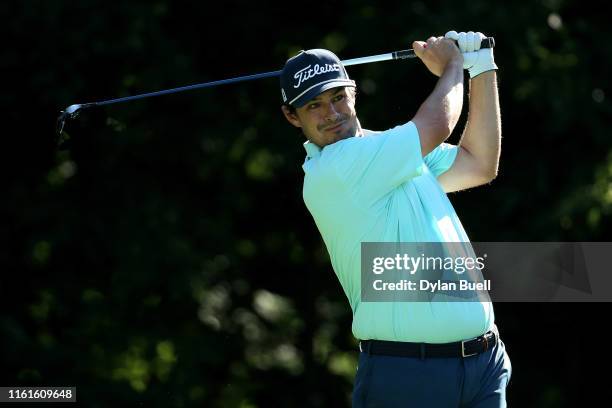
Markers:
389,186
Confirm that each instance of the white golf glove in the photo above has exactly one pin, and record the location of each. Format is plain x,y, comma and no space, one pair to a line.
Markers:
475,60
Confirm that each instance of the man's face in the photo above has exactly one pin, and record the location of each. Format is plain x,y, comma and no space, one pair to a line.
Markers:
328,117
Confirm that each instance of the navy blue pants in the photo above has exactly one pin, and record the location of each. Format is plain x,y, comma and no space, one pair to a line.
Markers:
403,382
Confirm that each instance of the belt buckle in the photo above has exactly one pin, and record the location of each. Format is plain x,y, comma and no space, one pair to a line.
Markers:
463,351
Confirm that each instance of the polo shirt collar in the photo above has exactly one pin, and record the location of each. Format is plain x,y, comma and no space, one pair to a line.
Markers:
312,150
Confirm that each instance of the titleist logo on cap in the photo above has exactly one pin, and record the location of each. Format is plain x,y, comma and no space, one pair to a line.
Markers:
306,73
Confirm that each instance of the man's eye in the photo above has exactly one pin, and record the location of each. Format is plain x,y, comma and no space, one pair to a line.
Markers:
313,106
339,98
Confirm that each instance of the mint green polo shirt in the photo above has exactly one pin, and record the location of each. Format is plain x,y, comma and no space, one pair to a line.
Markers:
379,188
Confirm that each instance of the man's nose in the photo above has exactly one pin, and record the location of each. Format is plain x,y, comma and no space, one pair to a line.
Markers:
331,114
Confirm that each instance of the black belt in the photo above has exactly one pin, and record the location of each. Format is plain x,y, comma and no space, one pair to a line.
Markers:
463,349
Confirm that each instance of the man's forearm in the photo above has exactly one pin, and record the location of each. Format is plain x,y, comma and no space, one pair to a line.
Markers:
482,135
447,96
439,113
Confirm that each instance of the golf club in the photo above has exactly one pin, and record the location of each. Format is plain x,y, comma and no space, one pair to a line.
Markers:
73,111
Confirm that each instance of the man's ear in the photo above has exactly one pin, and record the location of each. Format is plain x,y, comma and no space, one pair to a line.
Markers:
291,117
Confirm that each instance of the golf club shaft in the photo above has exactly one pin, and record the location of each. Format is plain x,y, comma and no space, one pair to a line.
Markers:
190,87
355,61
403,54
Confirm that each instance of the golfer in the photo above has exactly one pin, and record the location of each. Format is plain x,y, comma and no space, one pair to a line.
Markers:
390,186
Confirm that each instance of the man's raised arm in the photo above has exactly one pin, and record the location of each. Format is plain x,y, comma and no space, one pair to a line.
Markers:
480,145
438,115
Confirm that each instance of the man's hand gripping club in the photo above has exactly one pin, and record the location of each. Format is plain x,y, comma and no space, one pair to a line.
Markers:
436,53
475,60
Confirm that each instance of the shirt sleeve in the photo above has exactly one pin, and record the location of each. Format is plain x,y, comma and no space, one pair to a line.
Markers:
375,164
441,158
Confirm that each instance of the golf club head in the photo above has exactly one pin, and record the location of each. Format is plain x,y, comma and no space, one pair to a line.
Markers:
71,112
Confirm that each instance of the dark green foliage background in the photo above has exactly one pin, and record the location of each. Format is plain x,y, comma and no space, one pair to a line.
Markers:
166,258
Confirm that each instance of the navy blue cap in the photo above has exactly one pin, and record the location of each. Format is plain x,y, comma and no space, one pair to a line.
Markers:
309,73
